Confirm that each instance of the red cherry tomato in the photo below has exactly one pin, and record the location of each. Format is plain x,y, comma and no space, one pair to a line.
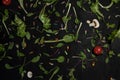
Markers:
6,2
98,50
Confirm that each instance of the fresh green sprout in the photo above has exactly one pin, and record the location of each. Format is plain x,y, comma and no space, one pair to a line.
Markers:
110,5
66,18
54,72
67,39
71,74
60,59
77,33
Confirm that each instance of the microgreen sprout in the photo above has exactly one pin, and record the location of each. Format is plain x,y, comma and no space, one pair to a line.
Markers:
67,39
60,59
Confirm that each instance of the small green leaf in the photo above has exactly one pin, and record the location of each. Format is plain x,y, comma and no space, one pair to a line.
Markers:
69,38
83,66
2,48
11,45
35,59
79,3
7,66
9,57
43,69
30,14
118,55
28,35
82,55
59,45
20,54
106,60
23,44
110,25
37,41
61,59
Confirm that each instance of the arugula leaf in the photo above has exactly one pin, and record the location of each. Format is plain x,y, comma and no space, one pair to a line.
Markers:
45,20
21,27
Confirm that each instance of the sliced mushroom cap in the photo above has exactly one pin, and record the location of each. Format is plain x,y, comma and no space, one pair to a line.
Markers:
96,23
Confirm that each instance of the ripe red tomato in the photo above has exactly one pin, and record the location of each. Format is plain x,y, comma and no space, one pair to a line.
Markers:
98,50
6,2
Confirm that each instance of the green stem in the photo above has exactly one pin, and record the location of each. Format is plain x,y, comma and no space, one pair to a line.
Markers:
106,7
67,16
53,41
77,33
75,12
5,27
3,56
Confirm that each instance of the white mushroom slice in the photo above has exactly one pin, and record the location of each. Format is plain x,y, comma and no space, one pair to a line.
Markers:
29,74
88,21
96,23
92,24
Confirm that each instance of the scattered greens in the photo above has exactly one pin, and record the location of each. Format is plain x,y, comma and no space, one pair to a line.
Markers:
57,45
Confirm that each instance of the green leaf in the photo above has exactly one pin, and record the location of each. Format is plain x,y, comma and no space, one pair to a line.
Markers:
20,54
9,57
7,66
11,45
82,55
21,27
28,35
115,1
2,48
79,3
35,4
23,44
110,25
51,32
83,66
68,38
57,14
71,74
60,59
37,41
60,78
59,45
43,69
45,20
6,16
106,60
118,55
35,59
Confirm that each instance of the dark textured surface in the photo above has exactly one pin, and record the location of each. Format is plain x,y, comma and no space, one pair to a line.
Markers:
101,71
